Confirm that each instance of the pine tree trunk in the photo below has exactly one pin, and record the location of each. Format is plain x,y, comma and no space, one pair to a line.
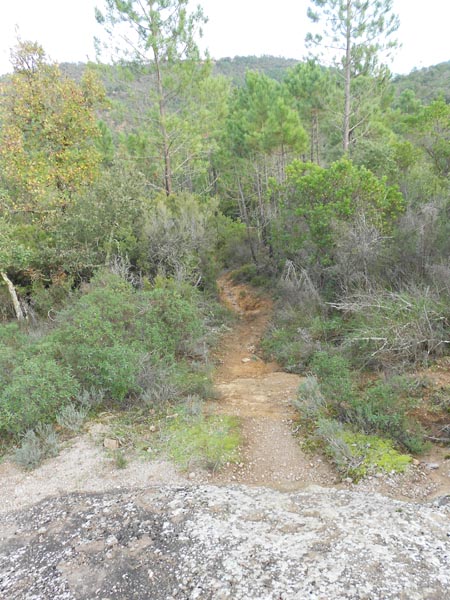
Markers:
162,126
347,78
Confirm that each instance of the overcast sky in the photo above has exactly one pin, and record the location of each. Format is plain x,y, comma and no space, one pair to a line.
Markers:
66,28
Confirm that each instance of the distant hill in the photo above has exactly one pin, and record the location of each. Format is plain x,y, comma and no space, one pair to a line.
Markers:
428,83
234,68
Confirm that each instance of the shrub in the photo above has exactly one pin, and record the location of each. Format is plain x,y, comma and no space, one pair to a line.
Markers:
233,244
336,383
330,432
39,387
36,446
388,329
113,342
358,455
107,332
47,298
72,417
13,341
289,341
245,274
373,454
384,409
93,338
167,324
30,454
180,234
193,406
310,402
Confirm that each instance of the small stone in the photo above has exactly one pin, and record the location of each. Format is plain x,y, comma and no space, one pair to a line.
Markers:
416,462
111,540
432,466
348,480
110,444
191,476
444,501
246,360
152,428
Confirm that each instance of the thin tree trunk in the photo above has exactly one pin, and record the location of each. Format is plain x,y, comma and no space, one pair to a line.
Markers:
347,76
317,134
244,217
20,314
162,126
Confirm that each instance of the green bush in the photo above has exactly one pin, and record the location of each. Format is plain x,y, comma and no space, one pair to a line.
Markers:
39,387
13,341
233,245
113,343
374,454
384,409
36,446
245,274
51,297
289,341
167,324
105,335
336,383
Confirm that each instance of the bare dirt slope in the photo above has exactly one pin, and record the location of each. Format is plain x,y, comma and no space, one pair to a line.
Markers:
260,394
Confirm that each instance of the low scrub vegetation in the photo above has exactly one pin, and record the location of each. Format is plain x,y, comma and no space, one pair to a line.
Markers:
351,231
361,426
113,345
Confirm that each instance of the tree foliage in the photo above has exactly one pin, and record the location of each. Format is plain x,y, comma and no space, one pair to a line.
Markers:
160,35
48,130
355,34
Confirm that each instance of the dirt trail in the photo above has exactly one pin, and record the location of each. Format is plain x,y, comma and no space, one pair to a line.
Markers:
259,393
255,391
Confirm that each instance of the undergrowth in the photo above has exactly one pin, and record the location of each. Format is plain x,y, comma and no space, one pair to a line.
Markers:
113,346
181,433
363,428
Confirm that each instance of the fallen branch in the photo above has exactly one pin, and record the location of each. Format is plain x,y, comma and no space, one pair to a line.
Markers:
20,313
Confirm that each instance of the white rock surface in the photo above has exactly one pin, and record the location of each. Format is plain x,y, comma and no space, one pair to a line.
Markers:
240,543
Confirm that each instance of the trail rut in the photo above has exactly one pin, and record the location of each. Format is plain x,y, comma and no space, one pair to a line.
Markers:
259,393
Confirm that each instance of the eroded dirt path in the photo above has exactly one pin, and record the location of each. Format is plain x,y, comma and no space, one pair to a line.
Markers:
255,391
259,393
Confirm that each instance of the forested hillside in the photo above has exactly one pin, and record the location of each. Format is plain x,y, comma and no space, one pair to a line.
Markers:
428,83
126,190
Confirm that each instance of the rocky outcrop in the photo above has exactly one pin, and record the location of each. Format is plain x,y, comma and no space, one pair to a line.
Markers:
210,542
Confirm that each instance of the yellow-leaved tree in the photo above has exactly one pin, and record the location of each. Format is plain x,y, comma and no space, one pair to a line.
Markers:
48,153
48,132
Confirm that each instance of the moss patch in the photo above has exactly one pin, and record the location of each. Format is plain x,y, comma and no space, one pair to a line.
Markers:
202,441
374,454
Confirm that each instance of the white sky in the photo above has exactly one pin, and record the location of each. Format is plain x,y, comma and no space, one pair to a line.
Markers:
65,28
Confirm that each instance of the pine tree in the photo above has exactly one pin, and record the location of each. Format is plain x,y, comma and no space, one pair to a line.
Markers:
355,34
